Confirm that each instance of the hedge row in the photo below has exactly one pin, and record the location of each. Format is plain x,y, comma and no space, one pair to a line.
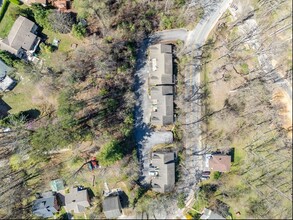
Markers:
4,8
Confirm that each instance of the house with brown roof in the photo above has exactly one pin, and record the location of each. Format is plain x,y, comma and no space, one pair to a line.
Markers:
22,40
220,162
161,82
162,170
61,5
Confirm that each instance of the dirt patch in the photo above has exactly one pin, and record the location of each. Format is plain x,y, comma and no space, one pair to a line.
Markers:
284,102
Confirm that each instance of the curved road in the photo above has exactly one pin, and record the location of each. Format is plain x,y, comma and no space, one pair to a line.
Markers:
193,41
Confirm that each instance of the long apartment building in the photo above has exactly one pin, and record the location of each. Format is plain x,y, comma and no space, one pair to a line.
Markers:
161,82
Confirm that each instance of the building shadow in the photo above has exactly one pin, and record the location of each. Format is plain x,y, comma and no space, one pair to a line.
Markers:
4,108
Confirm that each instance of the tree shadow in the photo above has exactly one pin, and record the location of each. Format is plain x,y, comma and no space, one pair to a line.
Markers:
91,193
232,154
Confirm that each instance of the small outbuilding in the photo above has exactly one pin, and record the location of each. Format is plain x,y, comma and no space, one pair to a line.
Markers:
57,185
220,162
112,206
209,214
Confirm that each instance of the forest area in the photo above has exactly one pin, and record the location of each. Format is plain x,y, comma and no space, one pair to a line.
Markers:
247,76
82,99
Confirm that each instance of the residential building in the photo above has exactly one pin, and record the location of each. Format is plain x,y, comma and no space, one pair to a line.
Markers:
46,205
29,2
162,170
61,5
112,206
219,162
77,200
161,82
6,83
209,214
22,40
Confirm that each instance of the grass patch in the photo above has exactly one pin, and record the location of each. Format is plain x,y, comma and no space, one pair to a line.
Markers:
8,20
66,40
20,98
4,8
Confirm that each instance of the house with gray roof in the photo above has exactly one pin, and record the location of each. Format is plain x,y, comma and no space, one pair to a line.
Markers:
22,40
77,200
209,214
162,170
46,205
161,83
112,206
6,83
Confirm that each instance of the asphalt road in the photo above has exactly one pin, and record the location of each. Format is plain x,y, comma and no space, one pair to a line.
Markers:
143,134
194,149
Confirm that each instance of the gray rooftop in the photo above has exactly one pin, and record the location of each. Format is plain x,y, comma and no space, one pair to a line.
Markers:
4,69
20,36
165,165
76,200
209,214
45,207
162,105
112,207
161,84
161,63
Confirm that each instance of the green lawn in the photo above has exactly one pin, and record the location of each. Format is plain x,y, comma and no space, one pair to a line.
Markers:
20,98
9,18
66,40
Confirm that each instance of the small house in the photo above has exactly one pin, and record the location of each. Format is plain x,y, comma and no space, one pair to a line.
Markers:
220,162
6,83
46,205
112,206
209,214
77,200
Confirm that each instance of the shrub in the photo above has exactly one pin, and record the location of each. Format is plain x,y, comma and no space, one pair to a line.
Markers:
16,2
78,31
15,162
110,153
217,175
180,201
61,22
41,15
7,58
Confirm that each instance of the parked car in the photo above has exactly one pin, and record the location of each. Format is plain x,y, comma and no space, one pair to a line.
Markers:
206,173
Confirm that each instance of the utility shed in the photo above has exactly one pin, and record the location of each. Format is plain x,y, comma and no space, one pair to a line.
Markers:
219,162
76,200
57,185
112,207
163,165
209,214
6,82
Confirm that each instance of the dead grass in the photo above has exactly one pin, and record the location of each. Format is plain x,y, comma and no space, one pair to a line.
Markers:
258,169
